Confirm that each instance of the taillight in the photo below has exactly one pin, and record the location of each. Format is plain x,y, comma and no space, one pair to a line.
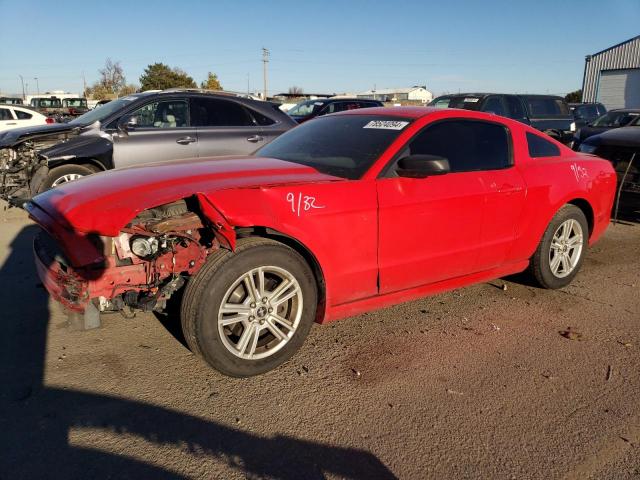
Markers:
50,120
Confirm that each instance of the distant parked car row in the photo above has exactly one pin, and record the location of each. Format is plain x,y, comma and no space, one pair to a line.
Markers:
140,128
309,109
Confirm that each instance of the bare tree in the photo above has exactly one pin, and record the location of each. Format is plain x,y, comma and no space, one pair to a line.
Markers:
112,76
295,90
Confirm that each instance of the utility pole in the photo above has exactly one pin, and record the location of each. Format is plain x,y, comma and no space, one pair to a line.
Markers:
248,89
37,85
84,85
265,60
22,81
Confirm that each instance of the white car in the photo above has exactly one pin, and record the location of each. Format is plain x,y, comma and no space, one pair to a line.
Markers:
17,116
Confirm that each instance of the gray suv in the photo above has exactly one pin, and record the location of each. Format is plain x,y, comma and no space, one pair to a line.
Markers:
141,128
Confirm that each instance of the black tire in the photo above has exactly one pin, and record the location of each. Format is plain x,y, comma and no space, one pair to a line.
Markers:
205,293
540,264
58,172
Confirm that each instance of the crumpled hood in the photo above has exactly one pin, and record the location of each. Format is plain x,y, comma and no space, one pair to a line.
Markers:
104,203
12,137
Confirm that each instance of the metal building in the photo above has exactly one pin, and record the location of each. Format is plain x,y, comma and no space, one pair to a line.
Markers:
612,76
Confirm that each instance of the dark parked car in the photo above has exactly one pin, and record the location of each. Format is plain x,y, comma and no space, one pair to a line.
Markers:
74,107
585,113
612,119
309,109
101,102
48,106
621,146
140,128
547,113
11,100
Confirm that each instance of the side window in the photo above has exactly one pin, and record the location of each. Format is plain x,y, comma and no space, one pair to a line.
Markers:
516,110
539,147
468,144
22,115
213,112
5,114
441,103
260,118
165,114
494,104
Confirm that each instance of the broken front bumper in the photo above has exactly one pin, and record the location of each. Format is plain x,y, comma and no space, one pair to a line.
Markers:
62,283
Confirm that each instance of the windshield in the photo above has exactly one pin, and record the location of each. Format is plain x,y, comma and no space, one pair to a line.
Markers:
616,119
75,102
48,102
344,146
103,112
305,108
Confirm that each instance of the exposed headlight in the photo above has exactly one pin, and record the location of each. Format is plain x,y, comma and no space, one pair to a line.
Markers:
587,148
144,247
572,127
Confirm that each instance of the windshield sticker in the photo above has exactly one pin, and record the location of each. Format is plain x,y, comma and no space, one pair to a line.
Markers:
471,100
579,172
386,124
301,203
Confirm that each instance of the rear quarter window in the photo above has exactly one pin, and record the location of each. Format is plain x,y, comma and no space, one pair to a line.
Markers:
539,147
22,115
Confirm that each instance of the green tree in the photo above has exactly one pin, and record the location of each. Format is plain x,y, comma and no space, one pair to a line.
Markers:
212,82
574,97
160,76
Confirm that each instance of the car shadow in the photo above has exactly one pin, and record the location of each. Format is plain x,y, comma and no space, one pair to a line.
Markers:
37,420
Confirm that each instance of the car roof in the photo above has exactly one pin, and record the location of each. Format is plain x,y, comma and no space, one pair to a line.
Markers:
625,110
20,106
526,95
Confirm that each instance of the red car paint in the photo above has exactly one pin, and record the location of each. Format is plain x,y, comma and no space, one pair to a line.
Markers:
376,241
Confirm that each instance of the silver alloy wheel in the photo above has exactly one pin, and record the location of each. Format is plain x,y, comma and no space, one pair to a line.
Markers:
70,177
260,312
566,248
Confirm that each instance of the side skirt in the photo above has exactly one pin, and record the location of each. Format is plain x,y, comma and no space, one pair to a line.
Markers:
337,312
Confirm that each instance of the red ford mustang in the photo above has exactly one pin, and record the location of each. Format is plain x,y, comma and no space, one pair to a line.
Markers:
343,214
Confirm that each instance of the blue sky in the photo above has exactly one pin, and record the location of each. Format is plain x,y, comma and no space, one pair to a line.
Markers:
328,46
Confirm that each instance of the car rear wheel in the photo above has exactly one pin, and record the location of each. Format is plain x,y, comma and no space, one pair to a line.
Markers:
63,174
248,311
560,253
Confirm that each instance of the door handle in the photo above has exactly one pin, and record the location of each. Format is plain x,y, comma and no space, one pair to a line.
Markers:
255,139
14,123
185,140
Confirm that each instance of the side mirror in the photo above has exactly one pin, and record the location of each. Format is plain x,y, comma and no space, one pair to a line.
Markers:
421,166
129,122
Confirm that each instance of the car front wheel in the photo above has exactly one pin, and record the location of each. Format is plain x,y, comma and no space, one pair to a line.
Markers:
561,251
63,174
248,311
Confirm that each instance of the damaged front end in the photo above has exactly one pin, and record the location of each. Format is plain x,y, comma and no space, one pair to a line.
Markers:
21,161
139,269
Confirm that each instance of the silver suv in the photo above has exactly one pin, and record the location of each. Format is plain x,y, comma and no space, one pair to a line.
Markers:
146,127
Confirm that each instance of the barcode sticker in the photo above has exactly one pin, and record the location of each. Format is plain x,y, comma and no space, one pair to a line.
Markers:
386,124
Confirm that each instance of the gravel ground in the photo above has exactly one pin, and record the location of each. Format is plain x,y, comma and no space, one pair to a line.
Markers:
474,383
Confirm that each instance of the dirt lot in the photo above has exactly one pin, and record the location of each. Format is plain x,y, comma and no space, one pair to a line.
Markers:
475,383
